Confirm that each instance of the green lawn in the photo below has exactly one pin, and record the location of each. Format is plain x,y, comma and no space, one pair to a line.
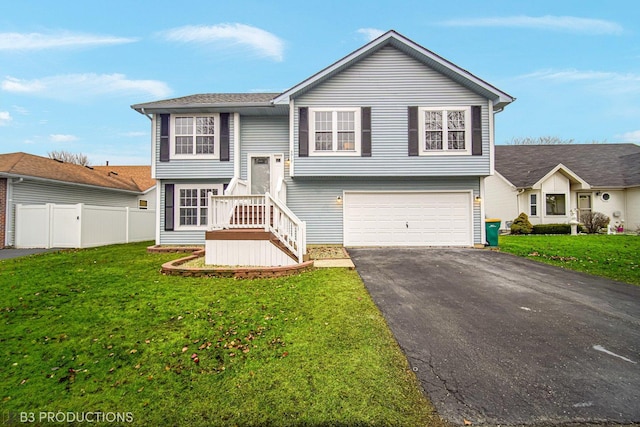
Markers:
614,256
101,330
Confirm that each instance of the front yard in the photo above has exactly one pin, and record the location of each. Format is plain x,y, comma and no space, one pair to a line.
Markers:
613,256
100,330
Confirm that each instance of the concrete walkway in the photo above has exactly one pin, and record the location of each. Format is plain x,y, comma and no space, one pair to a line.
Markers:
333,263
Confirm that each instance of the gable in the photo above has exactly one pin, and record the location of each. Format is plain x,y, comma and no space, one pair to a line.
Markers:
389,76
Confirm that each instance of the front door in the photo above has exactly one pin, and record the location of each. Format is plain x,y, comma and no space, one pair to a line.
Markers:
584,205
260,174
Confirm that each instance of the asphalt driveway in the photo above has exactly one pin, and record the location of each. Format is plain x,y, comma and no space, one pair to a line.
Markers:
16,253
497,339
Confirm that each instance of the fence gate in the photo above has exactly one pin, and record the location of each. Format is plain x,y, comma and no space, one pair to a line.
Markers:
81,226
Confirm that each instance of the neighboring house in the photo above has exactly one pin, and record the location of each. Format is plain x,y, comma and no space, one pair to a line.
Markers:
32,180
547,182
389,145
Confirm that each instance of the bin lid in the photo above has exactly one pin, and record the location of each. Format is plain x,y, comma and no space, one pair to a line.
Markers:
493,220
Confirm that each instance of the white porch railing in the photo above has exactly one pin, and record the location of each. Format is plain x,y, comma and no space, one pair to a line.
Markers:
259,211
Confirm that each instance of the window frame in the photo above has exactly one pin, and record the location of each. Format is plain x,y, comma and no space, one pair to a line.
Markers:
445,134
193,154
357,118
177,206
546,204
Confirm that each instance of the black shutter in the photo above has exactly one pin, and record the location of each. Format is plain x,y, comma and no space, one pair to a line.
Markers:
303,132
366,132
476,130
164,138
414,144
224,137
168,207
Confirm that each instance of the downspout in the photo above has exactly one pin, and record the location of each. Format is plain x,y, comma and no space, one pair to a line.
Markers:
145,113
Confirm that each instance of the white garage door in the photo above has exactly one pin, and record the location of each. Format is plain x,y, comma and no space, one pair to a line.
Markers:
408,219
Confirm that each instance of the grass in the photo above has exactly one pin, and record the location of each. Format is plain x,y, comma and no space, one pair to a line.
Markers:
613,256
101,330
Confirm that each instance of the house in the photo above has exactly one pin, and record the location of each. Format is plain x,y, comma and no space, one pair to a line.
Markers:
548,182
33,180
389,145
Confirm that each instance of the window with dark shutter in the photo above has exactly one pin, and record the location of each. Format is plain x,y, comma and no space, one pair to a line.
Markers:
168,207
476,130
224,137
366,132
303,131
414,144
164,138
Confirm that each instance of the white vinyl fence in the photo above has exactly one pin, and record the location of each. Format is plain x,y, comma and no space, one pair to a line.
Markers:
81,226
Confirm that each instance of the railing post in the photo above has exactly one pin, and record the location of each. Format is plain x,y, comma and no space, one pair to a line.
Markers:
267,211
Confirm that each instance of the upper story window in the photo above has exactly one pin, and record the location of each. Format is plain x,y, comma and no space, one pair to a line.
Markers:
334,131
195,136
445,130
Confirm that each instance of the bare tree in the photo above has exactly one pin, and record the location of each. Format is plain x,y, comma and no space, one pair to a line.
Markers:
67,157
540,140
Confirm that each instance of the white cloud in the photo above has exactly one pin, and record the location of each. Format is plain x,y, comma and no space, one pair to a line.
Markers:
554,23
34,41
261,42
633,136
5,118
21,110
370,33
607,82
57,137
83,86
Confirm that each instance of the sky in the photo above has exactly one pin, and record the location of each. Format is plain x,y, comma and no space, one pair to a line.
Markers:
70,70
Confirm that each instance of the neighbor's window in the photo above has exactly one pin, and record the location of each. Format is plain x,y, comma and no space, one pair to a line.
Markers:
193,205
556,204
335,131
143,204
445,130
195,135
534,205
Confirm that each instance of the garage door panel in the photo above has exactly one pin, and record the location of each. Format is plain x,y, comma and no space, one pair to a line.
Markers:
408,219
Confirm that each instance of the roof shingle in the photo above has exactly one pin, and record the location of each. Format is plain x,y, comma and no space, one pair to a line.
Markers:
129,178
600,165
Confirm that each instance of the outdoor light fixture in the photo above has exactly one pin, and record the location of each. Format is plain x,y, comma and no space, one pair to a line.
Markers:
478,199
339,199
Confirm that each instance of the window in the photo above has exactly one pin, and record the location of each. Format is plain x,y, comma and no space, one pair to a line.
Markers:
143,204
192,204
335,131
195,136
445,130
556,204
534,205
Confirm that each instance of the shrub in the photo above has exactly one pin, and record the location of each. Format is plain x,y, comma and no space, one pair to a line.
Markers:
521,225
552,229
593,222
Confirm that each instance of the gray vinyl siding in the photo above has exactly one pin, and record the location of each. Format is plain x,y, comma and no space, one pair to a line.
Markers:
30,192
181,237
265,135
389,81
194,168
314,200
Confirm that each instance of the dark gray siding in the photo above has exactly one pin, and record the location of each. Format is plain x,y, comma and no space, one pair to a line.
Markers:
389,81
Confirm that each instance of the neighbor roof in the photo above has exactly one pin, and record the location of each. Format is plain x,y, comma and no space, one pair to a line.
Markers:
133,178
600,165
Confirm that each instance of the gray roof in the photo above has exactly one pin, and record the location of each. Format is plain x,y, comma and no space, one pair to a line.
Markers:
600,165
211,100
